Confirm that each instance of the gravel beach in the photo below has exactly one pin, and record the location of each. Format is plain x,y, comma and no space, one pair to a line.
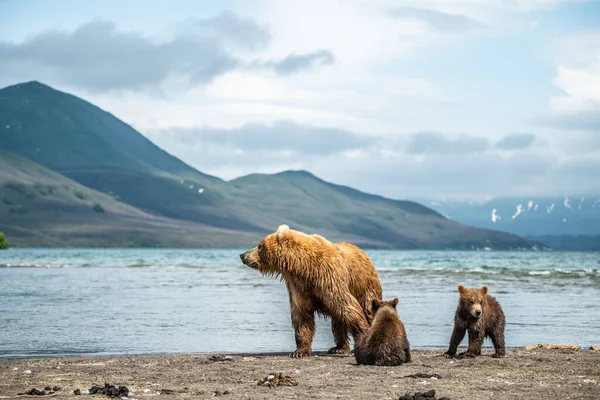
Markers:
535,374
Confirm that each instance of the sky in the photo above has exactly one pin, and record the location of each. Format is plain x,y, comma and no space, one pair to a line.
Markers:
444,99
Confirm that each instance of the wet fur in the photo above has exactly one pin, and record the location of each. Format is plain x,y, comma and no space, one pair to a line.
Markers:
385,343
333,279
490,323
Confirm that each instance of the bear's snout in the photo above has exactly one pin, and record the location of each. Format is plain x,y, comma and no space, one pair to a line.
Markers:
248,258
478,313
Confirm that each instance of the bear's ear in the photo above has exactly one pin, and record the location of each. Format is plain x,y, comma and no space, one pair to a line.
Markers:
281,230
395,302
483,290
375,306
461,289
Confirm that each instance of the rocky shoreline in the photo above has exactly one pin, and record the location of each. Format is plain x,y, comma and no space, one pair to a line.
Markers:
537,373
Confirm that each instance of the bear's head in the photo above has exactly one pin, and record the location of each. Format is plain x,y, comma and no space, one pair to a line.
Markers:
473,299
271,251
377,305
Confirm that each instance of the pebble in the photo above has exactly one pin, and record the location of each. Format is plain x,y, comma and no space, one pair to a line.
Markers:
595,347
27,371
15,369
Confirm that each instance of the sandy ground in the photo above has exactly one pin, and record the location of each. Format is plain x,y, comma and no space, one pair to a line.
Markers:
536,374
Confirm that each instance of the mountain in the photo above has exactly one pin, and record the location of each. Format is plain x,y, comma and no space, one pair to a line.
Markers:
62,140
39,207
562,223
527,216
79,140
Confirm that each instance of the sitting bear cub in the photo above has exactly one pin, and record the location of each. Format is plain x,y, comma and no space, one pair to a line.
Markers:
481,315
385,343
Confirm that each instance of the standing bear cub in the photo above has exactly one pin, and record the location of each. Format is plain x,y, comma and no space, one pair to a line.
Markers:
481,315
333,279
385,343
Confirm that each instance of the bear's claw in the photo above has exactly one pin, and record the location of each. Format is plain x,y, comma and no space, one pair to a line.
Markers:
340,351
448,355
300,353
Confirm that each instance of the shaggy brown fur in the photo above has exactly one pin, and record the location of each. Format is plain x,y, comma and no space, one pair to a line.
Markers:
333,279
385,343
481,315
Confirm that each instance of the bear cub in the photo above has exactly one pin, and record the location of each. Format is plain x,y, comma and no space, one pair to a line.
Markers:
385,342
481,315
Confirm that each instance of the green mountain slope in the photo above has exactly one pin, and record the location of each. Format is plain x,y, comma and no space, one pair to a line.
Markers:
342,213
41,207
76,140
79,140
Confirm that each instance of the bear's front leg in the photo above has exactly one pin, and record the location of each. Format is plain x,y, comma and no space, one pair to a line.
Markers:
475,342
303,319
304,328
458,334
340,335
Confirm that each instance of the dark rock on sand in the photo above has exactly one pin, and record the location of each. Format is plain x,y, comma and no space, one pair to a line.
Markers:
48,390
33,392
429,395
110,390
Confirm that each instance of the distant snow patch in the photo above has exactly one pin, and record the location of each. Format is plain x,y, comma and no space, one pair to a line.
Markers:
564,220
529,205
495,216
7,126
581,204
550,209
536,207
201,190
567,203
519,211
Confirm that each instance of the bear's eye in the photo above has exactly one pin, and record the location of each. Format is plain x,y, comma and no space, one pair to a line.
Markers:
472,301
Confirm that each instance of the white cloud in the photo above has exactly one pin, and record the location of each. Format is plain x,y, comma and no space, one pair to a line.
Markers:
578,75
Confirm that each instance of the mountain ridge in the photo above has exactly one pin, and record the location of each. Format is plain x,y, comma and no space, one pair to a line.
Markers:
75,138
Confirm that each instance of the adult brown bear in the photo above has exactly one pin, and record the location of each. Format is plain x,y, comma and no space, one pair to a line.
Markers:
333,279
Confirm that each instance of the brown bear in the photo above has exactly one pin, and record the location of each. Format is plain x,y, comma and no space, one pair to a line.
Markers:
333,279
385,342
481,315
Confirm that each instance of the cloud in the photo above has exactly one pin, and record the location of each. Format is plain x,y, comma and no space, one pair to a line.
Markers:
516,141
438,20
99,57
293,63
438,143
298,62
280,136
425,164
230,28
580,121
578,75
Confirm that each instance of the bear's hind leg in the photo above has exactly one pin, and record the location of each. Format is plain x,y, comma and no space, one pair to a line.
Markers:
340,335
345,307
497,336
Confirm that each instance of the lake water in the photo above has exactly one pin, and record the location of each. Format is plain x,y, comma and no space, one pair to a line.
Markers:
140,301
